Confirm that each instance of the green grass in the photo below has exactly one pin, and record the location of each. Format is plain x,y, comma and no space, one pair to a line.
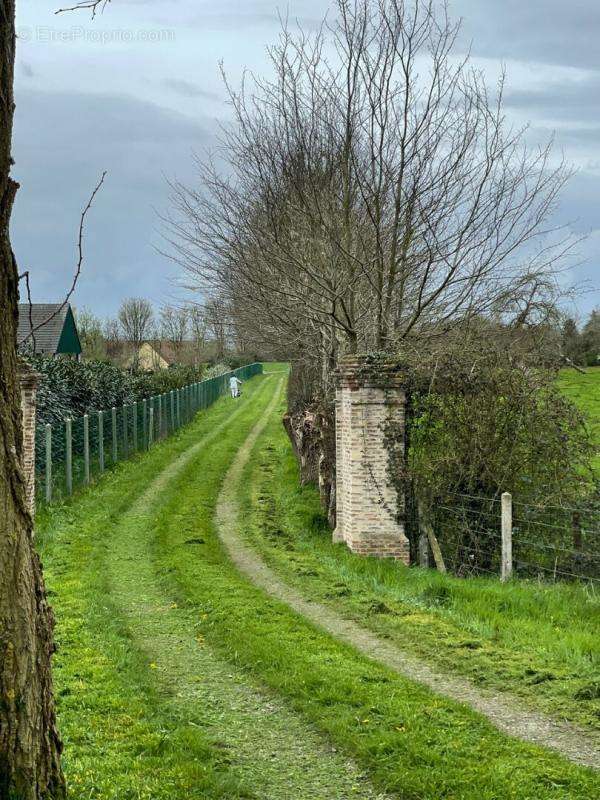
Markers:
159,635
123,740
538,641
584,391
410,741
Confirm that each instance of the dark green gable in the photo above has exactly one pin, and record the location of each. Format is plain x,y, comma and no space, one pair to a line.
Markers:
69,338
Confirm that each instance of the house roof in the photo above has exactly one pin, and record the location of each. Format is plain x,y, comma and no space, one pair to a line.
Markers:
147,357
57,334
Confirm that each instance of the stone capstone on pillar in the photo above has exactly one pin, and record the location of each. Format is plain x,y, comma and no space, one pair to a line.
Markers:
369,393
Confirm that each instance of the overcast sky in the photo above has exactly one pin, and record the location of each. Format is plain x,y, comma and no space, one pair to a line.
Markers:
137,91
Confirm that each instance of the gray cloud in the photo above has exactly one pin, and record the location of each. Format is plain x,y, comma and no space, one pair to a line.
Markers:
230,15
26,69
543,31
560,100
188,89
63,142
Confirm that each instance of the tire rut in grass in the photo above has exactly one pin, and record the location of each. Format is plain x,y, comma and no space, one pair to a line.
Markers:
503,711
276,752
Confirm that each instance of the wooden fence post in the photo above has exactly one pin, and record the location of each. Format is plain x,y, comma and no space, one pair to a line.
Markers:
101,440
507,526
86,449
69,456
48,463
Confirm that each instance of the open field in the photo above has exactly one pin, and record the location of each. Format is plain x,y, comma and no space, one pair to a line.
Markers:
177,678
584,391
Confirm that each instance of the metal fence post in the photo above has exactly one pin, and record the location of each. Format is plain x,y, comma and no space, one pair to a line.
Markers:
48,463
69,456
145,422
172,403
86,448
101,440
178,407
507,526
115,451
151,426
125,433
135,431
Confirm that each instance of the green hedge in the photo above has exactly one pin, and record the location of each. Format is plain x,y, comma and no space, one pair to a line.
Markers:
70,388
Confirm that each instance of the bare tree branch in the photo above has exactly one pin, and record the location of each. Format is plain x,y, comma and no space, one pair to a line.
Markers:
93,5
77,267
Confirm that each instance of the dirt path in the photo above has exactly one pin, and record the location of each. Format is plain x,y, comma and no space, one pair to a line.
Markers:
275,751
502,710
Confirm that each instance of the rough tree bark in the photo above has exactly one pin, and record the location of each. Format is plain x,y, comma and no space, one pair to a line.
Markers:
29,742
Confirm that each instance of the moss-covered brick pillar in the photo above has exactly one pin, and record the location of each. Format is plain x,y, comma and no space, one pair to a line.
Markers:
29,381
369,393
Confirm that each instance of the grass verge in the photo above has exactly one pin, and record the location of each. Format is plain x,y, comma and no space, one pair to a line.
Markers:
540,642
411,741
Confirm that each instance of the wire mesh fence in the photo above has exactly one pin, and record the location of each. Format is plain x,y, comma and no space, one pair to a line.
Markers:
502,536
74,453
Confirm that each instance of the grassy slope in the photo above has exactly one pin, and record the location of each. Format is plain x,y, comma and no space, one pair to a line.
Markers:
125,735
584,391
411,741
539,642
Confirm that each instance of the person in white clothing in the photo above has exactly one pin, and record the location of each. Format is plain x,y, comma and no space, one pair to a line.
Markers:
234,385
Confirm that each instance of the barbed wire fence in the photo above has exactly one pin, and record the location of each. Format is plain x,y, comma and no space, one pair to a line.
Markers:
504,537
74,453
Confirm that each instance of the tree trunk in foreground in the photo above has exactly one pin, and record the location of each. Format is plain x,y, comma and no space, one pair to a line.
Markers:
29,743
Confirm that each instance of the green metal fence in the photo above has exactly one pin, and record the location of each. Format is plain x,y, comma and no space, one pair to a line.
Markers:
73,453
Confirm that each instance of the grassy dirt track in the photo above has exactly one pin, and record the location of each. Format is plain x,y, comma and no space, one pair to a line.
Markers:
178,678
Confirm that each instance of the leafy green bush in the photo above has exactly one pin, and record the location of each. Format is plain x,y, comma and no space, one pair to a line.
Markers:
479,423
73,388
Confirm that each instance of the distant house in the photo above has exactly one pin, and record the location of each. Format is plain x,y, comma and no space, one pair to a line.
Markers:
149,358
48,329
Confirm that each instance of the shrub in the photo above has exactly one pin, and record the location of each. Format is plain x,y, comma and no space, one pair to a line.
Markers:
216,370
73,388
478,424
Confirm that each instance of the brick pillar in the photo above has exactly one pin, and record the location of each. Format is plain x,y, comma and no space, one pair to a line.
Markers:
367,396
29,382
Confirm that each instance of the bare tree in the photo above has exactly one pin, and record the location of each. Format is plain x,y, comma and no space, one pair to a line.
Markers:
218,319
136,318
112,337
198,331
374,195
174,323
